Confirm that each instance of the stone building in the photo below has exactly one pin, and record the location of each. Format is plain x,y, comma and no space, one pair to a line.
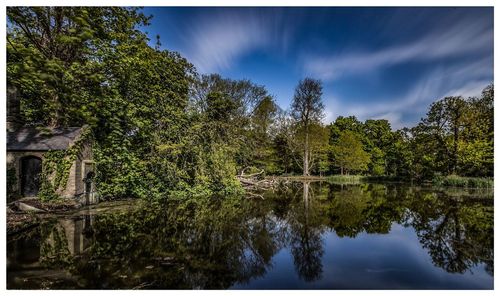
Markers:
27,147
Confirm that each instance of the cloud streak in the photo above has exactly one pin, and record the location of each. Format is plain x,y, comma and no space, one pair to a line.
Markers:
404,110
218,42
463,38
366,56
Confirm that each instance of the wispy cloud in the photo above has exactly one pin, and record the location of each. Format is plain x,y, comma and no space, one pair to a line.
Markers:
405,110
216,43
443,52
462,38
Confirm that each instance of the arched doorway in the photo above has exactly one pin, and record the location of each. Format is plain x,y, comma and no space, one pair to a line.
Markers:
31,168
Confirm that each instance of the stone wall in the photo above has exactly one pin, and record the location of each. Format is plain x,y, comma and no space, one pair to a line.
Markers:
75,185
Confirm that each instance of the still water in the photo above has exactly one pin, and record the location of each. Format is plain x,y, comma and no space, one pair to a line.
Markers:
303,236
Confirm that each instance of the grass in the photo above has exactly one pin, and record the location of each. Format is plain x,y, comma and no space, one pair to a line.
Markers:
346,179
448,181
466,182
359,178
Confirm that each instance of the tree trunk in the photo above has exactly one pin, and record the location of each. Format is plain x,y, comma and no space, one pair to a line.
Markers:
455,149
55,120
306,154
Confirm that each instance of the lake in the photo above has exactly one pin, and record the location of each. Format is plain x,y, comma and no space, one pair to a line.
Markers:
307,235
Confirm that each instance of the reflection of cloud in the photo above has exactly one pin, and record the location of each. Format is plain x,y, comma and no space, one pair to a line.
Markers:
466,80
217,42
463,38
360,258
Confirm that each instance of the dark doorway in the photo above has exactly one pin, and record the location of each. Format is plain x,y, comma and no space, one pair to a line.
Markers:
31,168
88,186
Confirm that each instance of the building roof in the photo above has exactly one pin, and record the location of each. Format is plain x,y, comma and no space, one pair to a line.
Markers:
36,139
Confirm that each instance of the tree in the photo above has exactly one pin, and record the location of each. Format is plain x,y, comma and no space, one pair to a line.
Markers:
92,65
400,156
55,57
245,114
318,146
455,138
307,109
378,139
284,143
262,119
475,151
348,153
350,123
444,122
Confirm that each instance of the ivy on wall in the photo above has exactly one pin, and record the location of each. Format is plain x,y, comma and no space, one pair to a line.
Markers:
56,167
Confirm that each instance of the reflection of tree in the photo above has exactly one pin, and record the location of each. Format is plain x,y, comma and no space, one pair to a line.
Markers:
190,244
59,243
305,238
367,207
307,250
457,232
215,243
455,227
346,211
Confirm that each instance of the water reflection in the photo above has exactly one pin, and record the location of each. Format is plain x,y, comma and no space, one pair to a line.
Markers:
305,237
218,243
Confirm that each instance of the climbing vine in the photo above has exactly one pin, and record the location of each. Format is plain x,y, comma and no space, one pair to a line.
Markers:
54,252
56,167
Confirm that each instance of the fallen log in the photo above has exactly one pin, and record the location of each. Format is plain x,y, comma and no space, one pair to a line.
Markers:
251,175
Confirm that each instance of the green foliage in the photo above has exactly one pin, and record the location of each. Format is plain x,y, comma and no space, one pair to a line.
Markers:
348,153
455,138
376,138
57,164
93,66
345,179
377,163
159,127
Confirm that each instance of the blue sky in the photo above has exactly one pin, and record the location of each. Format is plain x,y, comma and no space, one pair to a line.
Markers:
374,62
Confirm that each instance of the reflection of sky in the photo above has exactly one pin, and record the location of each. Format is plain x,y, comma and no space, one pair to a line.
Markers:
372,261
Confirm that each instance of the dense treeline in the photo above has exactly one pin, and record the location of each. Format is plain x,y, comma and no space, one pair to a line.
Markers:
159,126
455,138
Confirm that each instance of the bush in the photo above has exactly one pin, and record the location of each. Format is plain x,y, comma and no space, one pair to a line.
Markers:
352,179
467,182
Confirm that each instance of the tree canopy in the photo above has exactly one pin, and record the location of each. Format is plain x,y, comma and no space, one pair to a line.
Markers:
160,127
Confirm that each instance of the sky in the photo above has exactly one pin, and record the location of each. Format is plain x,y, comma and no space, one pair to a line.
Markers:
374,63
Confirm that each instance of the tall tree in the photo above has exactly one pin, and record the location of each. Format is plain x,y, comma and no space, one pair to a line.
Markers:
378,140
92,65
307,109
284,143
232,122
56,58
262,119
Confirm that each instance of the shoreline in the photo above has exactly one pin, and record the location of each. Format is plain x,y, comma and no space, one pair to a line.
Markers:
447,181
